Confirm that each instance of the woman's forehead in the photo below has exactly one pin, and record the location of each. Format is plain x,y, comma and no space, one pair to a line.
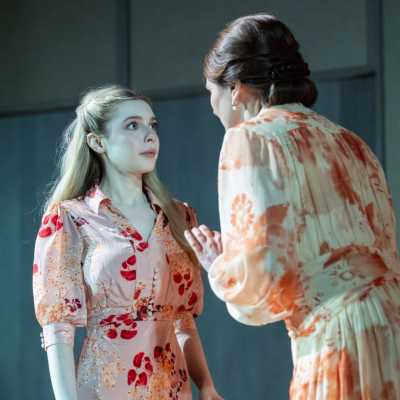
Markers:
133,108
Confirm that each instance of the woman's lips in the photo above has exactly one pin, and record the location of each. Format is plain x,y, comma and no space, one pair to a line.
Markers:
150,153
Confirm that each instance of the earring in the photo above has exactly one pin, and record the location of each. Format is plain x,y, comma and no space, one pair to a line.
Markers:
234,107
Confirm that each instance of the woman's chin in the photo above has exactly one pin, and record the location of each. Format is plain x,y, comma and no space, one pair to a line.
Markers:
147,169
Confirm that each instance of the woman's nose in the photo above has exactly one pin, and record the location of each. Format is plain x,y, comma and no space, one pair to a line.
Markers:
150,137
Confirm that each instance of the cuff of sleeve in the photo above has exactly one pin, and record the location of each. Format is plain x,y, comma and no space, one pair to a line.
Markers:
57,333
240,314
214,278
185,324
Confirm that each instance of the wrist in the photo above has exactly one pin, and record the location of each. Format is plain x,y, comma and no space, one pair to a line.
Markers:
206,386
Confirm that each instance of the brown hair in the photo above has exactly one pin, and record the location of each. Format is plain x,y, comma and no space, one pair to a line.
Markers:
260,51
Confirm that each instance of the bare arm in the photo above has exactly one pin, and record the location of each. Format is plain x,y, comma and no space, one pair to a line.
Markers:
58,342
62,371
191,346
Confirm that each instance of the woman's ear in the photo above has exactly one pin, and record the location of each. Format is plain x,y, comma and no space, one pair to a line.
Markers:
245,95
95,143
236,93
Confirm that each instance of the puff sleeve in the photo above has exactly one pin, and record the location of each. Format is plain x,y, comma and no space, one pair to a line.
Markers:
256,275
58,286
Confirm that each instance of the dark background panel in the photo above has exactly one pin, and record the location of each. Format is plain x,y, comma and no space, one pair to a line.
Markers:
52,51
322,28
27,163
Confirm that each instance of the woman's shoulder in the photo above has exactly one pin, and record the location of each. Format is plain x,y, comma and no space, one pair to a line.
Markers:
183,205
277,121
264,125
68,207
254,135
187,210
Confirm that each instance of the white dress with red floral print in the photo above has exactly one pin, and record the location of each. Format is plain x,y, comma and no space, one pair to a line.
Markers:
134,295
309,237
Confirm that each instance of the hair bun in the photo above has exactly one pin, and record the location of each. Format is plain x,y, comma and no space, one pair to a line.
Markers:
289,71
261,51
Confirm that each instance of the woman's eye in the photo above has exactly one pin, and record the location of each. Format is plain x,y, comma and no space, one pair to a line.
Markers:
155,125
132,125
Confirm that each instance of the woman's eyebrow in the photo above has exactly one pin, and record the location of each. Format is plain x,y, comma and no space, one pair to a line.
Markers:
133,117
138,117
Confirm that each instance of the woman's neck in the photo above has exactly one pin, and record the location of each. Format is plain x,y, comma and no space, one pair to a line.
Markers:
123,190
253,108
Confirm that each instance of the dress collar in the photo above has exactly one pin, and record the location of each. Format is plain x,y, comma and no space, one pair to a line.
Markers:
94,198
288,107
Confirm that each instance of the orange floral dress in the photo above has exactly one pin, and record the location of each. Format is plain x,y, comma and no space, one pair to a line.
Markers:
308,232
134,295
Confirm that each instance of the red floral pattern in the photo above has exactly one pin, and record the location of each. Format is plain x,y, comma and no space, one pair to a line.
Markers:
128,271
50,225
122,325
35,269
184,282
96,269
73,304
143,369
163,362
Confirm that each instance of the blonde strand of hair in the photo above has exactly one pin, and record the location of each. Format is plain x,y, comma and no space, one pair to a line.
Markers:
79,167
176,218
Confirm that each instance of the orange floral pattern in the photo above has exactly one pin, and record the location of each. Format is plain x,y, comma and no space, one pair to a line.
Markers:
308,233
135,296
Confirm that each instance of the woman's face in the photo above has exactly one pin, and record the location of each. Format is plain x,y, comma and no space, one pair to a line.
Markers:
221,104
131,144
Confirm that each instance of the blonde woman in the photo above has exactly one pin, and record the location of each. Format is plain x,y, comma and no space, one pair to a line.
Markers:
111,256
308,226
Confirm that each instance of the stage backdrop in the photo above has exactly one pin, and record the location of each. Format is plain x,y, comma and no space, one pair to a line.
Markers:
53,51
246,362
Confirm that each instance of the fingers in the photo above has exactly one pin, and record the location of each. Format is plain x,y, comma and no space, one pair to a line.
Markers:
218,241
194,243
217,236
206,231
200,235
204,241
209,236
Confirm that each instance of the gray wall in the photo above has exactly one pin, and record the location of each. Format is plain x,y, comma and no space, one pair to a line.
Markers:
179,55
54,51
391,18
65,48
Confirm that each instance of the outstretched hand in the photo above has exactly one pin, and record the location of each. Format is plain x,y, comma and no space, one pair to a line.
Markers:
206,244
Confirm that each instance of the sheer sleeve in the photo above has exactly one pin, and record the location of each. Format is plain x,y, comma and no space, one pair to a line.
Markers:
256,275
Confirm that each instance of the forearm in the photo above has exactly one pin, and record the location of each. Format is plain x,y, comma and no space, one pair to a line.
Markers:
58,341
62,371
192,348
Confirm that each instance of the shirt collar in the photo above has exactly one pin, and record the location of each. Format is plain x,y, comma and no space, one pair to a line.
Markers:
154,202
289,107
94,198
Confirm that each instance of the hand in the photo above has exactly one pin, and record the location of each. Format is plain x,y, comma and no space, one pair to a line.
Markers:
209,393
206,244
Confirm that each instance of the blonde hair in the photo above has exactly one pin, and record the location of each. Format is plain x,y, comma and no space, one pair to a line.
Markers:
80,167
